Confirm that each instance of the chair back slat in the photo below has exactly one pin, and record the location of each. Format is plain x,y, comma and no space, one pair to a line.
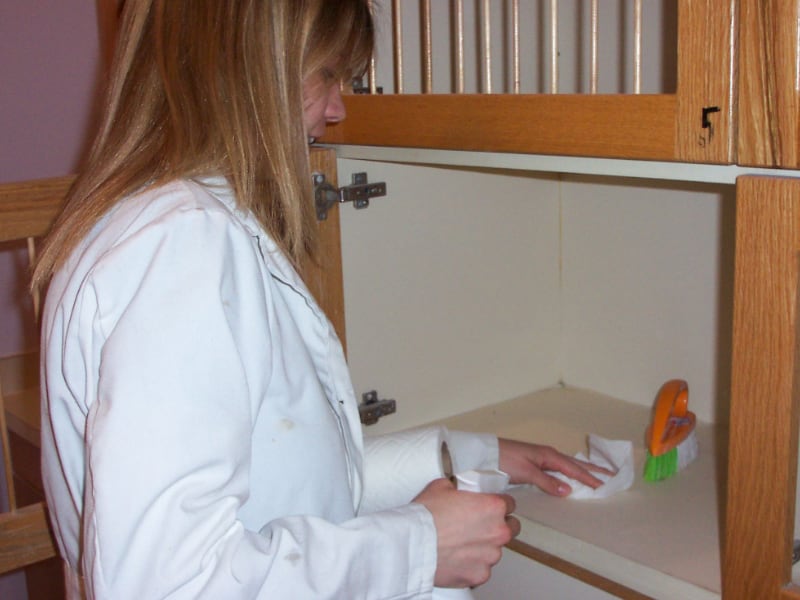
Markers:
27,208
25,538
5,446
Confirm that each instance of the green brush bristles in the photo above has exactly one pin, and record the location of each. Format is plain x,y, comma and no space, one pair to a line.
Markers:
664,466
661,467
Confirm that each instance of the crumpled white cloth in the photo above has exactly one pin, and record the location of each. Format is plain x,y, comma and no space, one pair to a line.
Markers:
616,455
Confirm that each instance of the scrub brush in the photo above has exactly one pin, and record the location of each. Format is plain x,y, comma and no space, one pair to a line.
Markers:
671,438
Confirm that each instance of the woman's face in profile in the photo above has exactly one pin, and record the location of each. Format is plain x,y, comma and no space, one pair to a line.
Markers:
322,102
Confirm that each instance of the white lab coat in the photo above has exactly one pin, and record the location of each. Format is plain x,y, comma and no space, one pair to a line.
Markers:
200,434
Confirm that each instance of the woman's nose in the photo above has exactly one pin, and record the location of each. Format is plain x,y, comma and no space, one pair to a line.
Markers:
335,111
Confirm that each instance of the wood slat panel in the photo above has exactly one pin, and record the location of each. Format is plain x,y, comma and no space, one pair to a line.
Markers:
25,538
610,126
705,76
22,414
764,387
768,97
28,208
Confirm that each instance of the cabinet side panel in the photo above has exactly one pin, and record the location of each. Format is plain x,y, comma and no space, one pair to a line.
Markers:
763,436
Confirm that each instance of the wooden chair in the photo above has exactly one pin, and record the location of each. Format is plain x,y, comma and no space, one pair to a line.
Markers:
26,542
25,536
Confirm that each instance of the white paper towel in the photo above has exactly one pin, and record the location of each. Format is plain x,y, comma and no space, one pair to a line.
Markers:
397,466
615,455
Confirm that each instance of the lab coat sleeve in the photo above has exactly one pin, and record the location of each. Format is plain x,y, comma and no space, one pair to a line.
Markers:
168,438
473,450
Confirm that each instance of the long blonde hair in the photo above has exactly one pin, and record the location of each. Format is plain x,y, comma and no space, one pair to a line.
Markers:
202,87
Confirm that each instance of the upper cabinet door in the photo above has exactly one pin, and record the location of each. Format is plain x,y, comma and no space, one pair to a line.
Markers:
768,84
692,119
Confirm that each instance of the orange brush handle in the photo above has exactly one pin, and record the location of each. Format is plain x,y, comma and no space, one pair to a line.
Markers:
672,420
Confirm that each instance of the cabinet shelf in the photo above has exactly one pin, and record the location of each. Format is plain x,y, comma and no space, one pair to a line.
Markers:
572,165
660,539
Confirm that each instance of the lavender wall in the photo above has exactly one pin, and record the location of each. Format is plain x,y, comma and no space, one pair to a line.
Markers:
48,67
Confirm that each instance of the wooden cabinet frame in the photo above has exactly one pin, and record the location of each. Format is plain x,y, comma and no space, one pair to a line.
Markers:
763,445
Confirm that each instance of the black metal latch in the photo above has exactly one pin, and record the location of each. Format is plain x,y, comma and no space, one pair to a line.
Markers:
371,409
358,192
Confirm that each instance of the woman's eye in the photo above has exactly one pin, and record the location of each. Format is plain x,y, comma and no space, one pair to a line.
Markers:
328,75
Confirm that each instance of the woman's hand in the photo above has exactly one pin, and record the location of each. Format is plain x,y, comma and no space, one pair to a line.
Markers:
471,530
527,463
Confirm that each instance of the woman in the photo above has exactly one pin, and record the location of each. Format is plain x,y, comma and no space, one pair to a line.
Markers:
200,433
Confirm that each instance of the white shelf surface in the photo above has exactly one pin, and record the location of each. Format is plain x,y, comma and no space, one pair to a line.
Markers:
660,539
575,165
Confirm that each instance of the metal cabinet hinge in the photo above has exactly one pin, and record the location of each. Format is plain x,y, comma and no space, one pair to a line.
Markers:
358,192
371,409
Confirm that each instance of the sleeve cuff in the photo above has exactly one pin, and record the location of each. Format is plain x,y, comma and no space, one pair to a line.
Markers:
422,556
473,450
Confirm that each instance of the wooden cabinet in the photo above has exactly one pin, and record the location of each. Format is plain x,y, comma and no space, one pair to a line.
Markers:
736,104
